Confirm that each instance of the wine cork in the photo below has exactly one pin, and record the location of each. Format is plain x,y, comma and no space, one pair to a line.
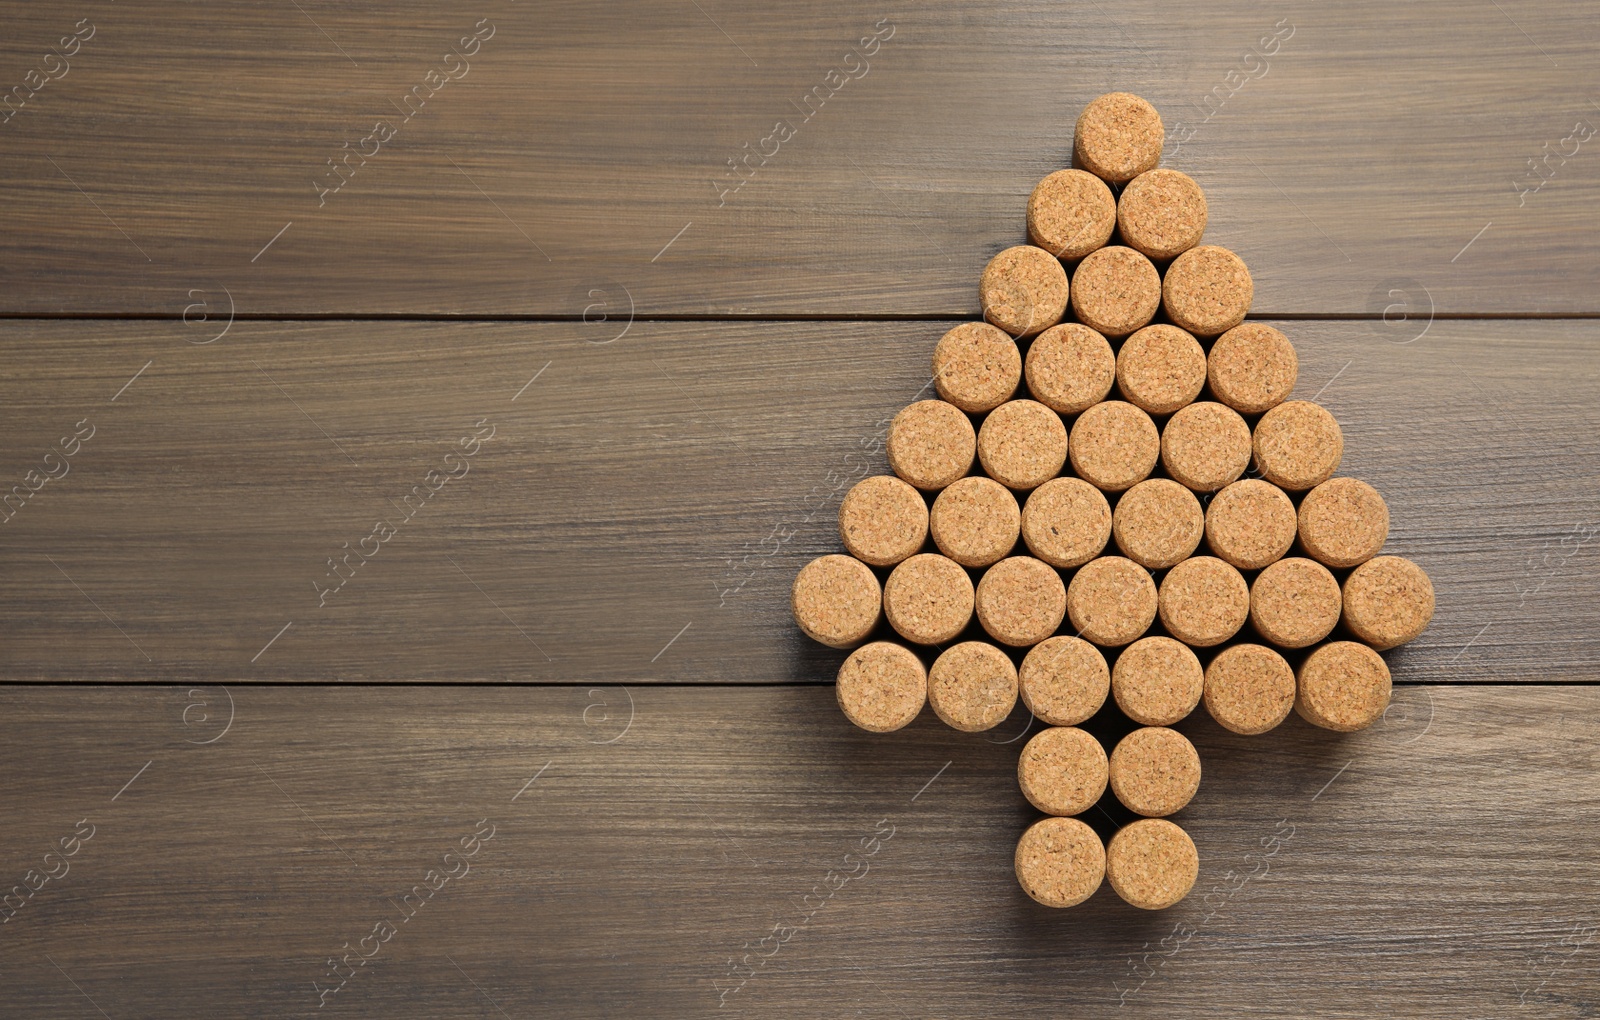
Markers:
882,686
836,600
1060,861
1114,445
1298,445
928,599
1343,522
1070,214
1154,771
1022,444
1152,864
1160,369
976,367
1118,137
1021,601
882,520
1343,686
1070,368
1066,522
931,444
1111,600
972,686
1062,771
1115,290
975,521
1295,602
1388,600
1203,601
1205,446
1023,290
1157,681
1252,368
1158,523
1161,213
1064,680
1207,290
1249,689
1250,523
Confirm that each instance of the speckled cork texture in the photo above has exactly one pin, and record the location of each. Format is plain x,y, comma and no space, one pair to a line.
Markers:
1022,444
1118,137
1161,213
1070,214
1249,689
1154,771
1152,864
1060,862
1250,524
1157,523
882,520
1207,290
928,599
1066,522
1252,368
1205,446
882,686
1343,686
1388,601
1343,522
1158,681
1062,771
1298,445
1115,290
1114,445
1064,680
1023,290
972,686
836,600
976,367
1160,369
975,521
1112,601
931,443
1204,601
1021,601
1294,603
1070,368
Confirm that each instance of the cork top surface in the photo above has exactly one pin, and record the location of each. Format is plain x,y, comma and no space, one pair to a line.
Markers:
1249,689
1204,601
1154,771
1298,445
1022,444
1071,213
1115,290
1152,864
1070,367
1157,681
882,686
1343,522
1118,137
1207,290
882,520
1060,861
1343,686
1111,600
975,521
1066,522
1250,523
972,686
1064,680
1021,601
1294,602
1160,369
1205,446
1023,290
976,366
1162,213
836,600
1388,601
928,599
1062,771
931,443
1113,445
1157,523
1252,367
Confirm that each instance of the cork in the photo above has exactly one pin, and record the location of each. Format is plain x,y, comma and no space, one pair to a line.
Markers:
882,520
1070,368
931,444
1021,601
836,600
1152,864
976,367
1115,290
1388,600
1343,522
1066,522
1118,137
1250,523
1114,445
1023,290
1203,601
972,686
1294,603
1207,290
1298,445
928,599
1160,369
1249,689
1022,444
1343,686
882,686
1154,771
1252,368
1157,681
1158,523
1062,771
975,521
1064,680
1205,446
1111,601
1070,214
1060,861
1161,213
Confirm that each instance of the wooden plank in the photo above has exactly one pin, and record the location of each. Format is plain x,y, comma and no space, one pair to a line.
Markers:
1368,150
